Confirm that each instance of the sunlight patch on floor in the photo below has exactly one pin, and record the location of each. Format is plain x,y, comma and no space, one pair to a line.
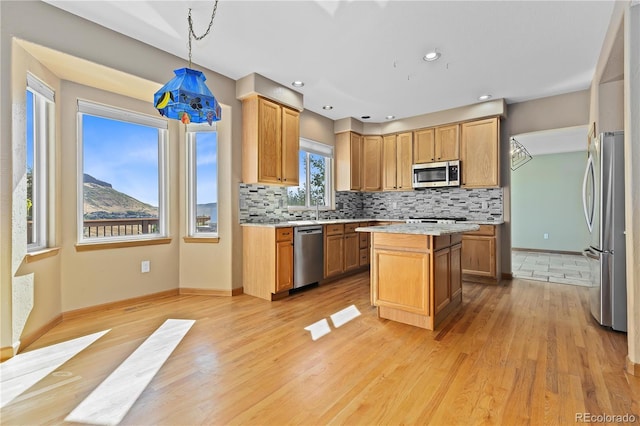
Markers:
26,369
112,399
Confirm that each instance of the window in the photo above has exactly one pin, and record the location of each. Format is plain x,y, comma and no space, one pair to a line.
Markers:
202,180
315,177
39,133
122,174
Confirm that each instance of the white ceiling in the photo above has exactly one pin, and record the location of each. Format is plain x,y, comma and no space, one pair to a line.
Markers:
365,57
568,139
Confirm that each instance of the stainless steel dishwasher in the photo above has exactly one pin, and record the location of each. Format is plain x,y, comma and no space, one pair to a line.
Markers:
308,255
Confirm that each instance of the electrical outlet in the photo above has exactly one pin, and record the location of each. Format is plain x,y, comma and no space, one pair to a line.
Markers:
145,266
394,205
546,236
485,205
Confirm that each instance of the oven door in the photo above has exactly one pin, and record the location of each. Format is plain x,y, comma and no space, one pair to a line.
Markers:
430,175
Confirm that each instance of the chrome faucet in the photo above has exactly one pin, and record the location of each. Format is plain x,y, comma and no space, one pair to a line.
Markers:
317,210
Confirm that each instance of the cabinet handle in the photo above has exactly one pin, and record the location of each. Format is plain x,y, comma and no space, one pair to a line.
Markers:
285,179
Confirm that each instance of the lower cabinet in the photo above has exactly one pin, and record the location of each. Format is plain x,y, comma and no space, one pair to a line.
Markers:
481,255
267,261
415,279
345,250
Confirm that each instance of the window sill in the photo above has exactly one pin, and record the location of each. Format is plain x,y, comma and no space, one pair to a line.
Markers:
121,244
42,254
210,240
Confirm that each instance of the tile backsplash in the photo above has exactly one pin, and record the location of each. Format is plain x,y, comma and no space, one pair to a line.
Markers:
265,203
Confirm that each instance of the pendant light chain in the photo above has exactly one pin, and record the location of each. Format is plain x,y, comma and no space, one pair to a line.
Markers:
192,33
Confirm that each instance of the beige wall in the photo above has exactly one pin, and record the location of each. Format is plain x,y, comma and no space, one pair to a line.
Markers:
317,128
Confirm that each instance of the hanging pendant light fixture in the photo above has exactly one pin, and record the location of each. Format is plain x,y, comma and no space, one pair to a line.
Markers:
186,97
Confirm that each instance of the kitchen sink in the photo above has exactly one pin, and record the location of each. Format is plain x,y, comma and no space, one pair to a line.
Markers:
302,222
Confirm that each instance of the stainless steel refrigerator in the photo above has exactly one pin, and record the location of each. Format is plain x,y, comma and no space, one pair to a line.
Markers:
603,201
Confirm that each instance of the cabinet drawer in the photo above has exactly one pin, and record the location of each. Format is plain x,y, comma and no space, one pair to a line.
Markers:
284,234
488,230
364,257
364,240
335,229
350,227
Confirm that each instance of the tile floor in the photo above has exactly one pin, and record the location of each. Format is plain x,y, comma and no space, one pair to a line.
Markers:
550,267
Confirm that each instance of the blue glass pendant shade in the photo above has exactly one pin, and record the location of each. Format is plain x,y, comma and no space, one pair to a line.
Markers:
187,98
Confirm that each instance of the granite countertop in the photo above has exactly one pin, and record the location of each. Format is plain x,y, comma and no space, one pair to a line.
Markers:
422,228
307,222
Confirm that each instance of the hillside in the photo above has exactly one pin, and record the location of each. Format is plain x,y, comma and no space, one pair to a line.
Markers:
101,201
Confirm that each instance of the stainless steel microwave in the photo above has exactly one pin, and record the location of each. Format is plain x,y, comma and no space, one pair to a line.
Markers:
429,175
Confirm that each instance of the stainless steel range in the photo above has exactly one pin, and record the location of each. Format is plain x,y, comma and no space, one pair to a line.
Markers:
436,219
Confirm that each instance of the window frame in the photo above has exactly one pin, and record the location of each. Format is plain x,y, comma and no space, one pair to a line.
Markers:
191,170
86,107
43,138
312,147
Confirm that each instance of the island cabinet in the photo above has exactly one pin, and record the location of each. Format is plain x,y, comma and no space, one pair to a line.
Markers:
267,261
270,142
480,153
397,160
348,161
372,163
436,144
415,279
481,255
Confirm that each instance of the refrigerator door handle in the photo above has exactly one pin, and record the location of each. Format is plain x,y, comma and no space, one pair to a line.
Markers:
588,215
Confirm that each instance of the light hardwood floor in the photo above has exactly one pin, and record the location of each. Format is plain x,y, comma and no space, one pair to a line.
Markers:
523,353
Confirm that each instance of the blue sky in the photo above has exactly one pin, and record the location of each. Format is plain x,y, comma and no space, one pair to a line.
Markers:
126,156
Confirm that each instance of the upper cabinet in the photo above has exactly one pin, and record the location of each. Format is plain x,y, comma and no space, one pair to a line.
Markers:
480,154
348,159
372,163
436,144
397,156
270,142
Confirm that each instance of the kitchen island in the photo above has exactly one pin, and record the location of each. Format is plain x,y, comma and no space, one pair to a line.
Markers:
416,275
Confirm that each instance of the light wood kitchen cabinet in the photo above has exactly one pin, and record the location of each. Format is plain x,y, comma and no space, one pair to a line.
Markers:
333,250
436,144
348,160
412,279
267,263
397,160
270,142
372,163
364,238
351,247
480,153
481,255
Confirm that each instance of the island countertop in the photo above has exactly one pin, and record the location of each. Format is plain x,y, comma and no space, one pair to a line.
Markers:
422,228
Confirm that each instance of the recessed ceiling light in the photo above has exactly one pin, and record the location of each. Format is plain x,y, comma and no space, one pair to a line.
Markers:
432,56
484,97
297,83
327,107
365,117
390,117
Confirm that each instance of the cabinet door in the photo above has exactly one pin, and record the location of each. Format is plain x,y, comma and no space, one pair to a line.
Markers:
412,270
404,148
372,163
479,255
269,141
447,143
284,266
442,284
479,154
290,146
455,278
356,161
389,161
351,251
423,146
333,255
